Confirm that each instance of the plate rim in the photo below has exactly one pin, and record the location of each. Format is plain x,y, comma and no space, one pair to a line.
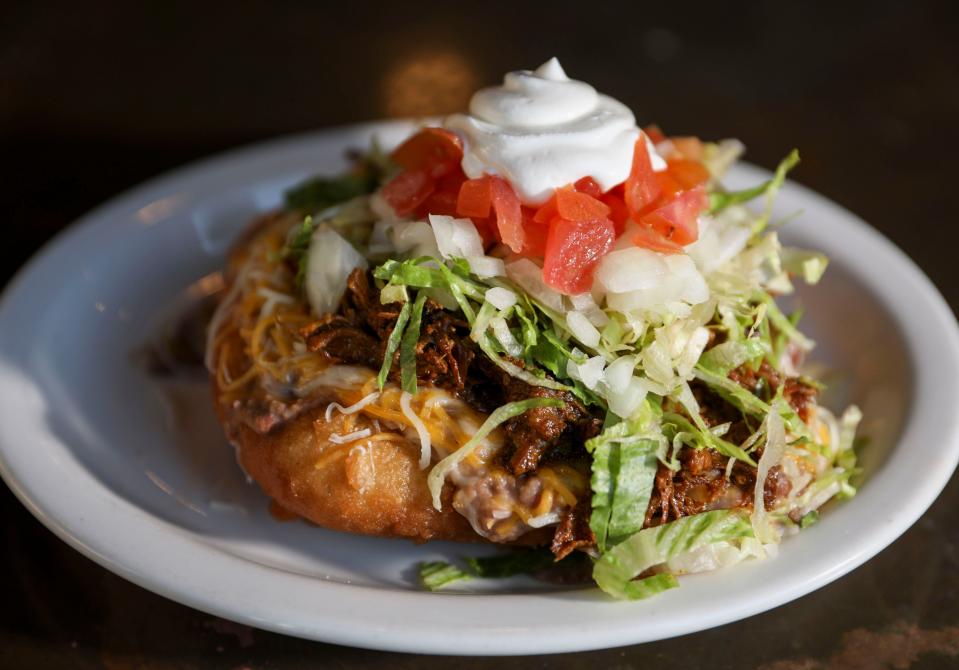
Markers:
386,635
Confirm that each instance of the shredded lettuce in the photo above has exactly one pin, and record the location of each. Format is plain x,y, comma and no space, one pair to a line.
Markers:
784,325
392,344
630,346
746,401
728,356
322,192
408,346
616,570
719,200
622,483
512,563
434,575
427,272
698,436
773,451
810,265
513,370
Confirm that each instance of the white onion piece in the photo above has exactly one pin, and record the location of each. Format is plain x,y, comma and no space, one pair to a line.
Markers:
619,373
456,238
694,289
529,276
657,364
692,351
501,298
630,269
681,283
582,329
382,209
505,336
329,263
590,372
720,238
626,402
486,266
584,302
414,238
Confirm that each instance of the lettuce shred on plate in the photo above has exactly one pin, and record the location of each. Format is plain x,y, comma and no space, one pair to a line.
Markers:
642,378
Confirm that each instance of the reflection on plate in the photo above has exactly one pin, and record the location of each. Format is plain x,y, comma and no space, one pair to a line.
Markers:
133,470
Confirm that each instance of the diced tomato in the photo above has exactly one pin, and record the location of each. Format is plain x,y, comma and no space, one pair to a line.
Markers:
648,238
435,150
588,186
487,230
534,243
408,190
669,188
475,198
677,220
618,212
573,250
444,197
688,147
509,216
654,133
438,202
642,187
575,206
687,173
546,212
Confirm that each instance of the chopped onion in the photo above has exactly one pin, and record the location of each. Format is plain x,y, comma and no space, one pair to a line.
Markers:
415,238
582,329
619,373
626,402
486,266
694,348
720,238
657,363
723,156
529,276
426,444
694,289
681,283
584,302
329,263
380,242
456,238
590,372
501,298
502,333
631,269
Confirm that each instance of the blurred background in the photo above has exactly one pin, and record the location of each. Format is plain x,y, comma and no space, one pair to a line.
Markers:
96,97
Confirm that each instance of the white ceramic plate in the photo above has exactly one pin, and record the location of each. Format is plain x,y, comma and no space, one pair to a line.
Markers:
135,474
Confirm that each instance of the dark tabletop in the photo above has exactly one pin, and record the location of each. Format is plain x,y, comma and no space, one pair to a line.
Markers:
96,97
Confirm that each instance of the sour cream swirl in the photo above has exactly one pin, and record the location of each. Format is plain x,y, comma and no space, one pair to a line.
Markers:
542,130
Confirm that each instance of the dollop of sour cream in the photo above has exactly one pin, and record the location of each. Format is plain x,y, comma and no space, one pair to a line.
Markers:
542,130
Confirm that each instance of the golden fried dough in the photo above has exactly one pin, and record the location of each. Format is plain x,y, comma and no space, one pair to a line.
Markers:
373,489
376,490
